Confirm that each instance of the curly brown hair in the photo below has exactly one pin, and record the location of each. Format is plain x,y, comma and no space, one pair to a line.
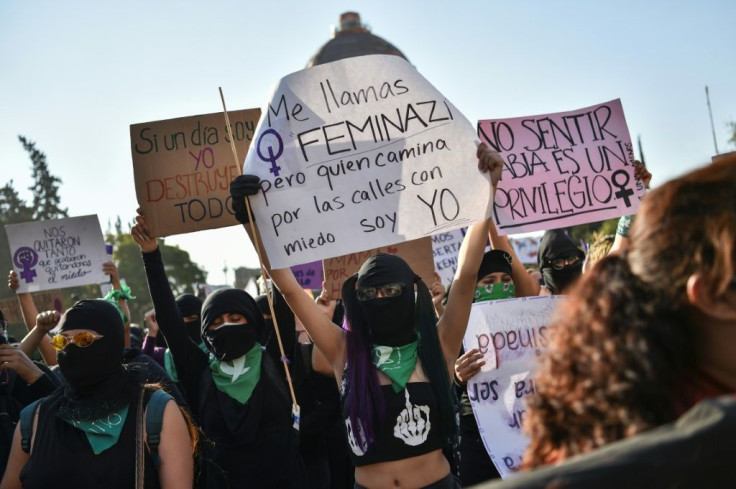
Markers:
625,335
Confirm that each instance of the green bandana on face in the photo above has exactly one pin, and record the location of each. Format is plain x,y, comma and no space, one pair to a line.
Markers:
104,432
238,378
493,292
396,362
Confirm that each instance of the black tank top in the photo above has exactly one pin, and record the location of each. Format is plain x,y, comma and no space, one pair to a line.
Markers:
62,457
410,426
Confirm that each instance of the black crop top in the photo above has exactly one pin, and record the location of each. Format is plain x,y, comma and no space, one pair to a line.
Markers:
410,427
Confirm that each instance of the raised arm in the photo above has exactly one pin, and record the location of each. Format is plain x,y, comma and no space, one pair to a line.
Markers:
454,321
524,283
328,337
45,322
621,241
36,338
188,358
438,291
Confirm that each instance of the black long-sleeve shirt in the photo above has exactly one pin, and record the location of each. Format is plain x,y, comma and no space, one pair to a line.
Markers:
254,444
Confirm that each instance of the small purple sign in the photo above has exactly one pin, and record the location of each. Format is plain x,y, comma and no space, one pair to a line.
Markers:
309,275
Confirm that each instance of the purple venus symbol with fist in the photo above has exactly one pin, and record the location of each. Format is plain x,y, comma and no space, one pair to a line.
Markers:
26,258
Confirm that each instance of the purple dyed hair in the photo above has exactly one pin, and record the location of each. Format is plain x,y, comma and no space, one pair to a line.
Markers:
363,392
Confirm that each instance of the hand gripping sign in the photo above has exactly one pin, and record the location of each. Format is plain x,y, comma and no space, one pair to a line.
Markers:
358,154
510,334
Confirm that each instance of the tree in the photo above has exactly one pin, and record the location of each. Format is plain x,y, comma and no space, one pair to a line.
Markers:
585,232
46,200
732,127
13,209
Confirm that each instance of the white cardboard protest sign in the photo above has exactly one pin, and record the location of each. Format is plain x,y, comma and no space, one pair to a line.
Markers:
57,253
358,154
511,334
445,249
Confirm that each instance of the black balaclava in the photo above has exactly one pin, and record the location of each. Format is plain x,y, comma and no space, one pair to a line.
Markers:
554,244
390,319
190,305
494,261
262,303
85,369
231,341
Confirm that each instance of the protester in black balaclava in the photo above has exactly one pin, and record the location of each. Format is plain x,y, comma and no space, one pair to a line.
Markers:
560,261
90,424
225,339
234,389
391,319
393,356
190,307
92,391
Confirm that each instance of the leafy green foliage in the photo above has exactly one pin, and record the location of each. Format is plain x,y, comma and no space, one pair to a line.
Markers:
13,209
585,232
46,200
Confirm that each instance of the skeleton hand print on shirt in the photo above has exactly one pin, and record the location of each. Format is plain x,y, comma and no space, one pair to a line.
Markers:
412,424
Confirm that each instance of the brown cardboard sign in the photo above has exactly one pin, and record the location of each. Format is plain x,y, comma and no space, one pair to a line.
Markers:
183,168
417,253
46,300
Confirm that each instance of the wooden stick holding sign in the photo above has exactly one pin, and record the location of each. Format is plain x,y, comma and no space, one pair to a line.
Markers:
256,241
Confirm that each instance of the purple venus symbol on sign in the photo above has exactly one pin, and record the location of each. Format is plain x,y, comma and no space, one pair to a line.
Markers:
272,158
26,258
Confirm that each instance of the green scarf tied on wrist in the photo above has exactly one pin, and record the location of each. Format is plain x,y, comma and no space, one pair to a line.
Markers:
123,293
396,362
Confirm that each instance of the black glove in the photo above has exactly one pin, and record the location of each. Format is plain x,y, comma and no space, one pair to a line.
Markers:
241,187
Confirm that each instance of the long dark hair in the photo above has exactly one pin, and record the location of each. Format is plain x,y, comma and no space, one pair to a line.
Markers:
363,393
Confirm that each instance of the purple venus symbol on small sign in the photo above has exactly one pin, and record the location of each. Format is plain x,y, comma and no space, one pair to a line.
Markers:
26,258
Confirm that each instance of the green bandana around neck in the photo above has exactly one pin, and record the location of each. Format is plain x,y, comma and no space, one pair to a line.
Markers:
396,362
493,292
238,378
104,432
169,361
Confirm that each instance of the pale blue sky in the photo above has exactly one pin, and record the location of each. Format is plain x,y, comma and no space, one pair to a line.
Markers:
76,74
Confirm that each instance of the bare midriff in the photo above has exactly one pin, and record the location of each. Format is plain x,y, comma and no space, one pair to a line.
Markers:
412,472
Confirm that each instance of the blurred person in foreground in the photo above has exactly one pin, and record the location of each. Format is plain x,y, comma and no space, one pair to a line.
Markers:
637,386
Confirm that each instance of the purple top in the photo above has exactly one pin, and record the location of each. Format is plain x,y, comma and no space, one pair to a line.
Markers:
153,351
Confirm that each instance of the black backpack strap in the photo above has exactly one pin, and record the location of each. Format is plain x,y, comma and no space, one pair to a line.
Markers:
26,424
154,421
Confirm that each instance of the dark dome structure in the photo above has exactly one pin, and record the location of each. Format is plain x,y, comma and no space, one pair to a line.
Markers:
352,39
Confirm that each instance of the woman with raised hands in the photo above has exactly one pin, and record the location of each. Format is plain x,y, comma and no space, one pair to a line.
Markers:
393,359
235,390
